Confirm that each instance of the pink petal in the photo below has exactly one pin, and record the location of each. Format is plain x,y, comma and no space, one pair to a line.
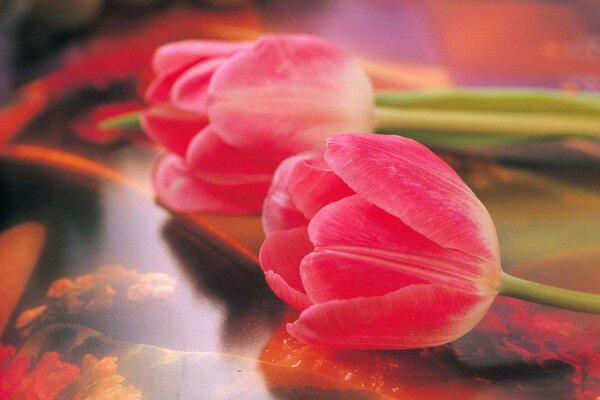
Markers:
408,181
312,185
287,94
173,56
331,275
180,190
280,257
172,128
215,161
412,317
189,92
354,238
174,59
159,90
291,296
279,213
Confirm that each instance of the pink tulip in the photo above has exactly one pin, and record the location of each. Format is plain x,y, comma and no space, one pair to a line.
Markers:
380,244
229,113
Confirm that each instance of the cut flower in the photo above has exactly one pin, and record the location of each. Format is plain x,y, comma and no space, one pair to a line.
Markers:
380,244
229,113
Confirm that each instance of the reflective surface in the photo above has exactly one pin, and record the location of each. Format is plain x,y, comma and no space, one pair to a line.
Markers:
137,301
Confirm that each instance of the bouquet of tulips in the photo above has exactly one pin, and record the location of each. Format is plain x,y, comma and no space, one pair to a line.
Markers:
376,240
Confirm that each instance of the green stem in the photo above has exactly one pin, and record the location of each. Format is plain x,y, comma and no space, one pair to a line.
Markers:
549,295
488,117
491,99
488,122
127,121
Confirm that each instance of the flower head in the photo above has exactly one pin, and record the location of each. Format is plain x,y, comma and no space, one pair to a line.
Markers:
380,245
229,113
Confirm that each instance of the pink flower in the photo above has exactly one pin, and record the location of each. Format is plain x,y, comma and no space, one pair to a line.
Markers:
229,113
380,244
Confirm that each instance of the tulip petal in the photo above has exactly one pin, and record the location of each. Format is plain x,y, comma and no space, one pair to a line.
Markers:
280,256
213,160
172,128
412,317
173,60
355,238
330,275
279,213
287,94
189,92
180,190
176,55
159,90
291,296
312,185
408,181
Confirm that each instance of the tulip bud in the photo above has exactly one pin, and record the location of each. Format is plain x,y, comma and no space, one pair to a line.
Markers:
229,113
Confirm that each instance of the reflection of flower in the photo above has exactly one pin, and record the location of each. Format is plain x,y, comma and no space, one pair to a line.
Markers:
381,244
44,381
92,292
228,113
99,380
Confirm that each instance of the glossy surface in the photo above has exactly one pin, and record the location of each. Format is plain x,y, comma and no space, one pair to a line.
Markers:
188,314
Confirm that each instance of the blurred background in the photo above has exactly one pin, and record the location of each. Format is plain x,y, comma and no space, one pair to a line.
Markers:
551,43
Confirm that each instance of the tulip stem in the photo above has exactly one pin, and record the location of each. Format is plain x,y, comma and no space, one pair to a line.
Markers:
522,114
549,295
126,121
486,122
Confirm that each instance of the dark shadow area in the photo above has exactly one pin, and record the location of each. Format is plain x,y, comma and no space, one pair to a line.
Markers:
251,309
70,212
